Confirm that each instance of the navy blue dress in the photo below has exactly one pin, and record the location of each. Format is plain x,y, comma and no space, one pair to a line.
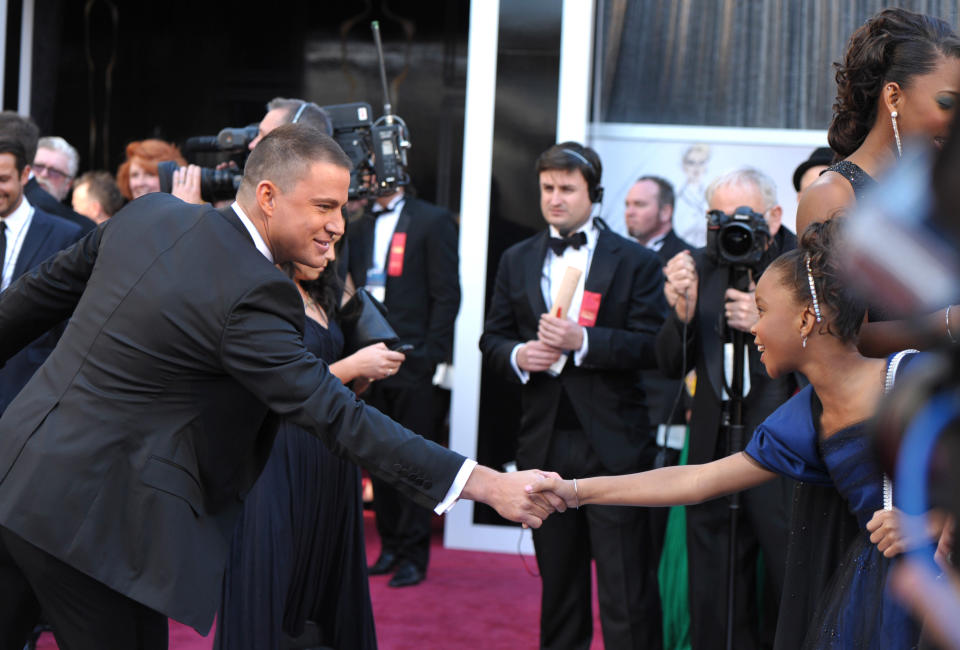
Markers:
854,609
298,551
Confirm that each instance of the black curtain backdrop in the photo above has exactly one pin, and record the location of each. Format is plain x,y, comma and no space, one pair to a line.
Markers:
107,72
753,63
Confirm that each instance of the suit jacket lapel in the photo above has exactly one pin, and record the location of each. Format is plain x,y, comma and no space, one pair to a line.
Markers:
37,232
361,247
533,274
232,218
604,263
712,294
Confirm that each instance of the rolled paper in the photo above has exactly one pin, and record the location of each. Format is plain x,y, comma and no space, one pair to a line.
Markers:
561,307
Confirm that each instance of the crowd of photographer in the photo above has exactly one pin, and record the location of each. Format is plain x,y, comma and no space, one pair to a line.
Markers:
792,522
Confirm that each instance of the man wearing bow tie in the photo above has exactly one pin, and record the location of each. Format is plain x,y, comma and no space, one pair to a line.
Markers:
404,251
584,410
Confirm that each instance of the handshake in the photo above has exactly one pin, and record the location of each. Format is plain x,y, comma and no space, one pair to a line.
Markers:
527,497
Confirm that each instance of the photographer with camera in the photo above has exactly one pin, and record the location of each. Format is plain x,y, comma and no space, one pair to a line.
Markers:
195,184
744,234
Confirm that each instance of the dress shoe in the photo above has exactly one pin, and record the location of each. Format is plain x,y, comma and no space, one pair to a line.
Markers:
384,564
407,575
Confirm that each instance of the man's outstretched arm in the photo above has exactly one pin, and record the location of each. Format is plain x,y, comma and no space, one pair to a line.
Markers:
47,295
262,348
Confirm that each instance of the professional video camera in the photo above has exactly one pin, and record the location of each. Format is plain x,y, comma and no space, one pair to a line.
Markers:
377,148
738,239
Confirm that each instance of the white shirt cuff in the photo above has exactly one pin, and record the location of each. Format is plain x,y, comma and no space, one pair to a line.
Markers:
582,352
458,484
522,374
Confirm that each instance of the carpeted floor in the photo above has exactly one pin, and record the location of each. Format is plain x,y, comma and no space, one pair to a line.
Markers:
469,600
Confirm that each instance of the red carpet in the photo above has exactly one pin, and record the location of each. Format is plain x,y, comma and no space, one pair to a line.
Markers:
469,600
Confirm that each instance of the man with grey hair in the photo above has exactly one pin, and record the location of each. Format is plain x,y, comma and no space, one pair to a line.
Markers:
26,132
280,111
55,165
705,311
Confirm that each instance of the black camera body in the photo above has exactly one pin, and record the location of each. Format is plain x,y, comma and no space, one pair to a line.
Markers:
738,239
215,184
377,149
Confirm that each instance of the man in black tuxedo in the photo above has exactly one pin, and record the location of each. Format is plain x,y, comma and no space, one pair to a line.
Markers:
648,215
125,460
587,416
404,251
707,313
27,237
14,125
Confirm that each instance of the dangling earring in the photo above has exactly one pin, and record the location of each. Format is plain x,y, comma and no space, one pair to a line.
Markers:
803,342
896,132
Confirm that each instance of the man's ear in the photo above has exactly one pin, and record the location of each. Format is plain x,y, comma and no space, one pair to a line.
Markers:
666,214
774,219
266,195
25,175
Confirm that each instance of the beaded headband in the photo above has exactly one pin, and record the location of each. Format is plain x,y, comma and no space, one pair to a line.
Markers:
813,290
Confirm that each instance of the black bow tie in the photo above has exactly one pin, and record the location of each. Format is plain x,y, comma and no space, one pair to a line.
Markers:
559,244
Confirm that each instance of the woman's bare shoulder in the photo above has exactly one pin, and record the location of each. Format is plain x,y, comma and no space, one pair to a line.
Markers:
824,199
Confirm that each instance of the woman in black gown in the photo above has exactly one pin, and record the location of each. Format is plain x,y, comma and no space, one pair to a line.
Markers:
298,550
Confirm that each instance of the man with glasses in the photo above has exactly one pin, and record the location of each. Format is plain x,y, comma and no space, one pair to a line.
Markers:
23,129
55,166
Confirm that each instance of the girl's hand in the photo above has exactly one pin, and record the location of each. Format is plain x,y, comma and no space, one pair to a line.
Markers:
885,532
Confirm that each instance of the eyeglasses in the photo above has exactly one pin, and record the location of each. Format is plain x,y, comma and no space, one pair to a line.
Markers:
42,170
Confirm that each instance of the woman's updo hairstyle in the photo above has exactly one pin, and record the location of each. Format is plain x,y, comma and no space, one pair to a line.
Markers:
842,310
894,45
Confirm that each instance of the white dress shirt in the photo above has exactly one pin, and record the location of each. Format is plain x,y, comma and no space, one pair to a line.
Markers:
460,481
554,266
17,223
383,230
657,243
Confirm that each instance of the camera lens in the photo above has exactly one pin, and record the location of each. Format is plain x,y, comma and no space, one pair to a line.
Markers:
736,241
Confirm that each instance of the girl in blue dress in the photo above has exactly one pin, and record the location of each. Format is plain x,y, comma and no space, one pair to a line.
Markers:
808,323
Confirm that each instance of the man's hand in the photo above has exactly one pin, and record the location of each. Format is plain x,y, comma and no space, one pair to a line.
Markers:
740,308
506,493
186,184
535,356
561,333
680,288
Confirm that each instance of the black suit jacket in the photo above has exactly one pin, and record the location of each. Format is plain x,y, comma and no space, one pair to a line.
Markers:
42,199
422,302
672,244
662,392
46,236
129,452
605,392
704,346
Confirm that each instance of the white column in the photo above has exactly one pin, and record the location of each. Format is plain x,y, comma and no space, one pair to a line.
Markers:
576,65
459,530
26,57
3,46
